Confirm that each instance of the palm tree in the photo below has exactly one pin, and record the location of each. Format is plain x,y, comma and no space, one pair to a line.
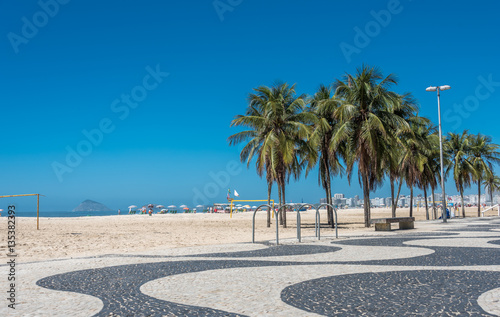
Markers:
391,167
429,176
458,149
256,146
492,183
406,109
483,154
415,156
282,130
366,118
323,105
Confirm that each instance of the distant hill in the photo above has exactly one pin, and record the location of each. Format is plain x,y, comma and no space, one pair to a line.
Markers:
90,205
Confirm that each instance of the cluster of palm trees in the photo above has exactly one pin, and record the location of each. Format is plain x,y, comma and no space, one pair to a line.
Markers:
356,121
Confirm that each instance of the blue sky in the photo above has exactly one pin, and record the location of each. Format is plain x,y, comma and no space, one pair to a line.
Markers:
145,90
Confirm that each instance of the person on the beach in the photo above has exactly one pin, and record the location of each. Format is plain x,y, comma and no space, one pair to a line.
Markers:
119,211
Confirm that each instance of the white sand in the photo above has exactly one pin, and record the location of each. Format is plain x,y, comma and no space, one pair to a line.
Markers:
91,236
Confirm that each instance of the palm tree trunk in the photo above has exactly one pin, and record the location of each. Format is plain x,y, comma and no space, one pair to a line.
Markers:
366,196
284,202
269,188
278,181
463,206
397,197
326,181
426,205
392,199
491,197
327,200
330,201
479,197
434,203
411,201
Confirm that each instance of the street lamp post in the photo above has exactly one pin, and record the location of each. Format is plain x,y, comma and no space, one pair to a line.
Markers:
438,89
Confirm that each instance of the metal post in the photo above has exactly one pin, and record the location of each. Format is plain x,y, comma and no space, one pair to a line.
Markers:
276,222
316,224
253,223
443,214
37,211
298,226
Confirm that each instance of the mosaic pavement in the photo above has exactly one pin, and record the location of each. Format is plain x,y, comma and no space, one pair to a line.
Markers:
435,269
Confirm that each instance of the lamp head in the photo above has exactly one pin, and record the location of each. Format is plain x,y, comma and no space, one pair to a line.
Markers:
445,87
431,88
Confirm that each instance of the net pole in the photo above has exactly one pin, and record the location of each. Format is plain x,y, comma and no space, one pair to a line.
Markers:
38,212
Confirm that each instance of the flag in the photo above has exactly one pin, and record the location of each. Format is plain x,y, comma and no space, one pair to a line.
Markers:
228,194
236,193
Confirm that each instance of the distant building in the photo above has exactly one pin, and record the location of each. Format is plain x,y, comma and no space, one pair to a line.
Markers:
403,201
438,197
388,202
496,199
338,196
322,201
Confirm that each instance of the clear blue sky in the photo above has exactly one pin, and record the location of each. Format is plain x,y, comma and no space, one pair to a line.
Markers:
69,66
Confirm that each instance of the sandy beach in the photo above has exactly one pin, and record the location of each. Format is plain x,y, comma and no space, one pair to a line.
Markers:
62,238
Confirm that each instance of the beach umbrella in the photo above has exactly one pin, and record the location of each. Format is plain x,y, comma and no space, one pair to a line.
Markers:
151,206
254,206
183,206
199,206
248,206
172,206
160,206
130,207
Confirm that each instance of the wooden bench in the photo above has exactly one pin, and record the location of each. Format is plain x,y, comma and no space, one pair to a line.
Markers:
384,224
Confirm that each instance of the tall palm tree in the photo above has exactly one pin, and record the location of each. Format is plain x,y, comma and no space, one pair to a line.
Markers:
282,128
406,109
458,148
257,146
415,155
429,177
323,105
483,154
492,183
391,167
366,118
